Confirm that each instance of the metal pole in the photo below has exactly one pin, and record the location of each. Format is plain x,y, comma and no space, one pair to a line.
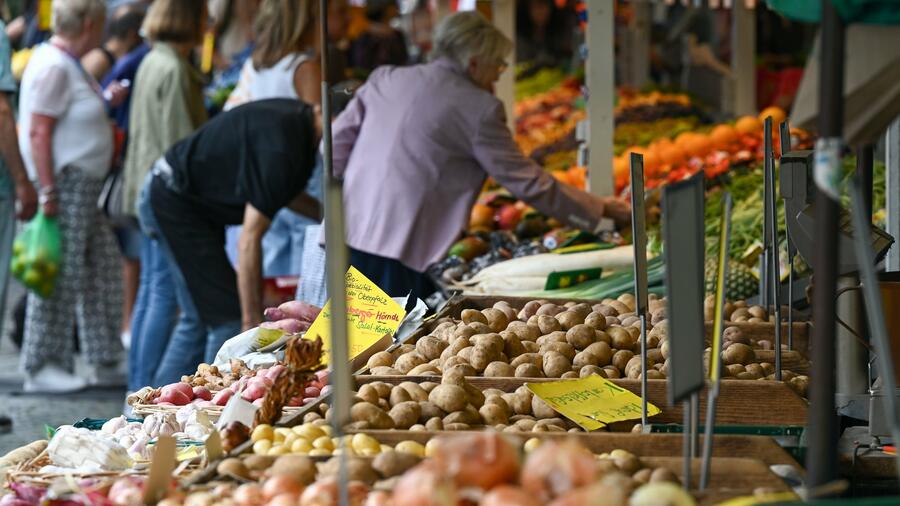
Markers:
336,268
892,191
687,444
785,138
823,434
772,239
865,160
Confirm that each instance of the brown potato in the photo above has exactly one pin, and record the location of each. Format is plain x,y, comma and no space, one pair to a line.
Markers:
758,312
499,369
568,319
611,321
496,319
556,364
621,338
399,395
512,345
456,346
450,398
549,309
380,359
518,404
663,474
540,409
525,425
664,349
654,354
375,416
619,307
529,309
584,358
444,330
659,316
508,310
435,423
553,337
527,358
405,414
733,370
428,410
476,396
548,324
621,358
457,426
493,414
531,346
581,336
525,331
735,335
392,463
565,349
430,347
473,315
367,393
482,355
738,353
453,361
492,340
612,372
602,351
480,328
629,321
654,374
424,370
757,370
529,371
467,416
464,331
591,369
605,310
595,320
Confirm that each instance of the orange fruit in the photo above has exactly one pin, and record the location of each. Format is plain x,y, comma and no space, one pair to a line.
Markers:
697,145
621,168
671,155
482,217
651,160
777,113
723,135
748,125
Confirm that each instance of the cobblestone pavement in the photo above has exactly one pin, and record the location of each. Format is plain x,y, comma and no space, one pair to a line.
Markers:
31,413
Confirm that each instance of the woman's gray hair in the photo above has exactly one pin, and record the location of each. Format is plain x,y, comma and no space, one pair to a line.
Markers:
464,35
69,15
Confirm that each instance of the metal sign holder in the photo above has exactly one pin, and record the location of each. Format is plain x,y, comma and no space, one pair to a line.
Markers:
771,242
785,138
639,240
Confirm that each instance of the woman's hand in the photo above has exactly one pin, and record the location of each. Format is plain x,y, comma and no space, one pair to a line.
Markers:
50,208
27,200
49,201
617,210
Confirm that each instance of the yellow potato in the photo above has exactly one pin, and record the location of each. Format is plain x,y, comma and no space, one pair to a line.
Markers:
262,446
532,444
302,446
430,447
289,439
319,452
411,447
386,448
324,443
262,431
308,431
278,450
364,442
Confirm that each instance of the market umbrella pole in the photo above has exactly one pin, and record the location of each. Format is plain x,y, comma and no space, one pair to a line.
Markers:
335,268
821,459
785,137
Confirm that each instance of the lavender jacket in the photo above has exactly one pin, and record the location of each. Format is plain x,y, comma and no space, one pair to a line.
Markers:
414,147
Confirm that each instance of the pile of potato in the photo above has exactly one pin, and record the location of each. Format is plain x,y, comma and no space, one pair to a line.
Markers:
453,404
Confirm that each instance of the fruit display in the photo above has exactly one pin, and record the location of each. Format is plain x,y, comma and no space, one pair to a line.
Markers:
545,340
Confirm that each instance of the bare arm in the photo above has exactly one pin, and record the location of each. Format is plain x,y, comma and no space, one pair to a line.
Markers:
250,266
95,63
307,206
308,82
42,152
9,150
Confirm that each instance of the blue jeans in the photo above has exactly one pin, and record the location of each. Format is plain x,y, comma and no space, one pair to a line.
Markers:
193,341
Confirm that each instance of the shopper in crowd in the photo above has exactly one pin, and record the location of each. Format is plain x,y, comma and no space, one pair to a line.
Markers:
544,33
241,167
284,64
17,196
381,43
233,28
67,146
123,36
167,105
414,147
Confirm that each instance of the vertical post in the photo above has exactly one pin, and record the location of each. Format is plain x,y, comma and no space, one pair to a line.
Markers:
687,443
335,265
635,55
865,161
601,86
892,192
504,18
743,58
821,459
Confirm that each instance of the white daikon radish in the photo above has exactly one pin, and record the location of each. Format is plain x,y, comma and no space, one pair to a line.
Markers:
544,264
505,285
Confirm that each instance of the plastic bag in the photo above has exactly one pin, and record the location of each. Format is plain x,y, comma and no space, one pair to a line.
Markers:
37,253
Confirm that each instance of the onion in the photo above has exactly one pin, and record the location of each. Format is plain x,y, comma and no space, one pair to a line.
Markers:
281,484
325,493
598,494
482,460
379,498
127,491
249,494
555,468
284,500
508,495
425,485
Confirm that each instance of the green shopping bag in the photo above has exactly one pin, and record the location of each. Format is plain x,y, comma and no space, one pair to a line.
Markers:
37,253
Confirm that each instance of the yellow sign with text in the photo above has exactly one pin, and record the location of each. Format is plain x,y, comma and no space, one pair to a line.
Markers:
592,402
371,315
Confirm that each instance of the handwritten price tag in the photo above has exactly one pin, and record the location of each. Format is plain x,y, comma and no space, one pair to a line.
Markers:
592,402
371,315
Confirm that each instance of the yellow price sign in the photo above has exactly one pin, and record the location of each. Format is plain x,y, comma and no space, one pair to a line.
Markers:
371,315
592,402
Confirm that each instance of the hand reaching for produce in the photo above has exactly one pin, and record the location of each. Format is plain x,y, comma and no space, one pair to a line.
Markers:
618,210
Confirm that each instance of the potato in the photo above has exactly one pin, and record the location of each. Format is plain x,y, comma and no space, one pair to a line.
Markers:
612,372
740,312
738,353
384,404
399,395
553,337
531,347
430,347
527,358
525,425
565,349
654,355
466,354
596,321
499,369
569,375
450,398
493,341
747,376
621,358
549,309
605,310
569,319
756,369
735,335
496,319
619,307
492,414
548,324
358,469
765,344
405,414
556,364
468,416
480,328
450,362
473,315
800,384
628,463
375,416
664,349
464,331
529,371
662,474
768,368
367,393
520,404
380,359
591,369
482,355
457,426
529,309
526,332
584,358
424,370
733,370
621,338
428,410
602,351
454,376
758,312
508,310
629,320
498,400
444,330
612,320
659,316
435,423
654,374
393,463
541,409
408,361
476,397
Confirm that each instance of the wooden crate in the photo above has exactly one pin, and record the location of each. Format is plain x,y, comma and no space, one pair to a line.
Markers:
761,448
740,402
792,360
729,477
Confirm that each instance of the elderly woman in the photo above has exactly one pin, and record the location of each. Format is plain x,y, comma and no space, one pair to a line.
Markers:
67,146
415,146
